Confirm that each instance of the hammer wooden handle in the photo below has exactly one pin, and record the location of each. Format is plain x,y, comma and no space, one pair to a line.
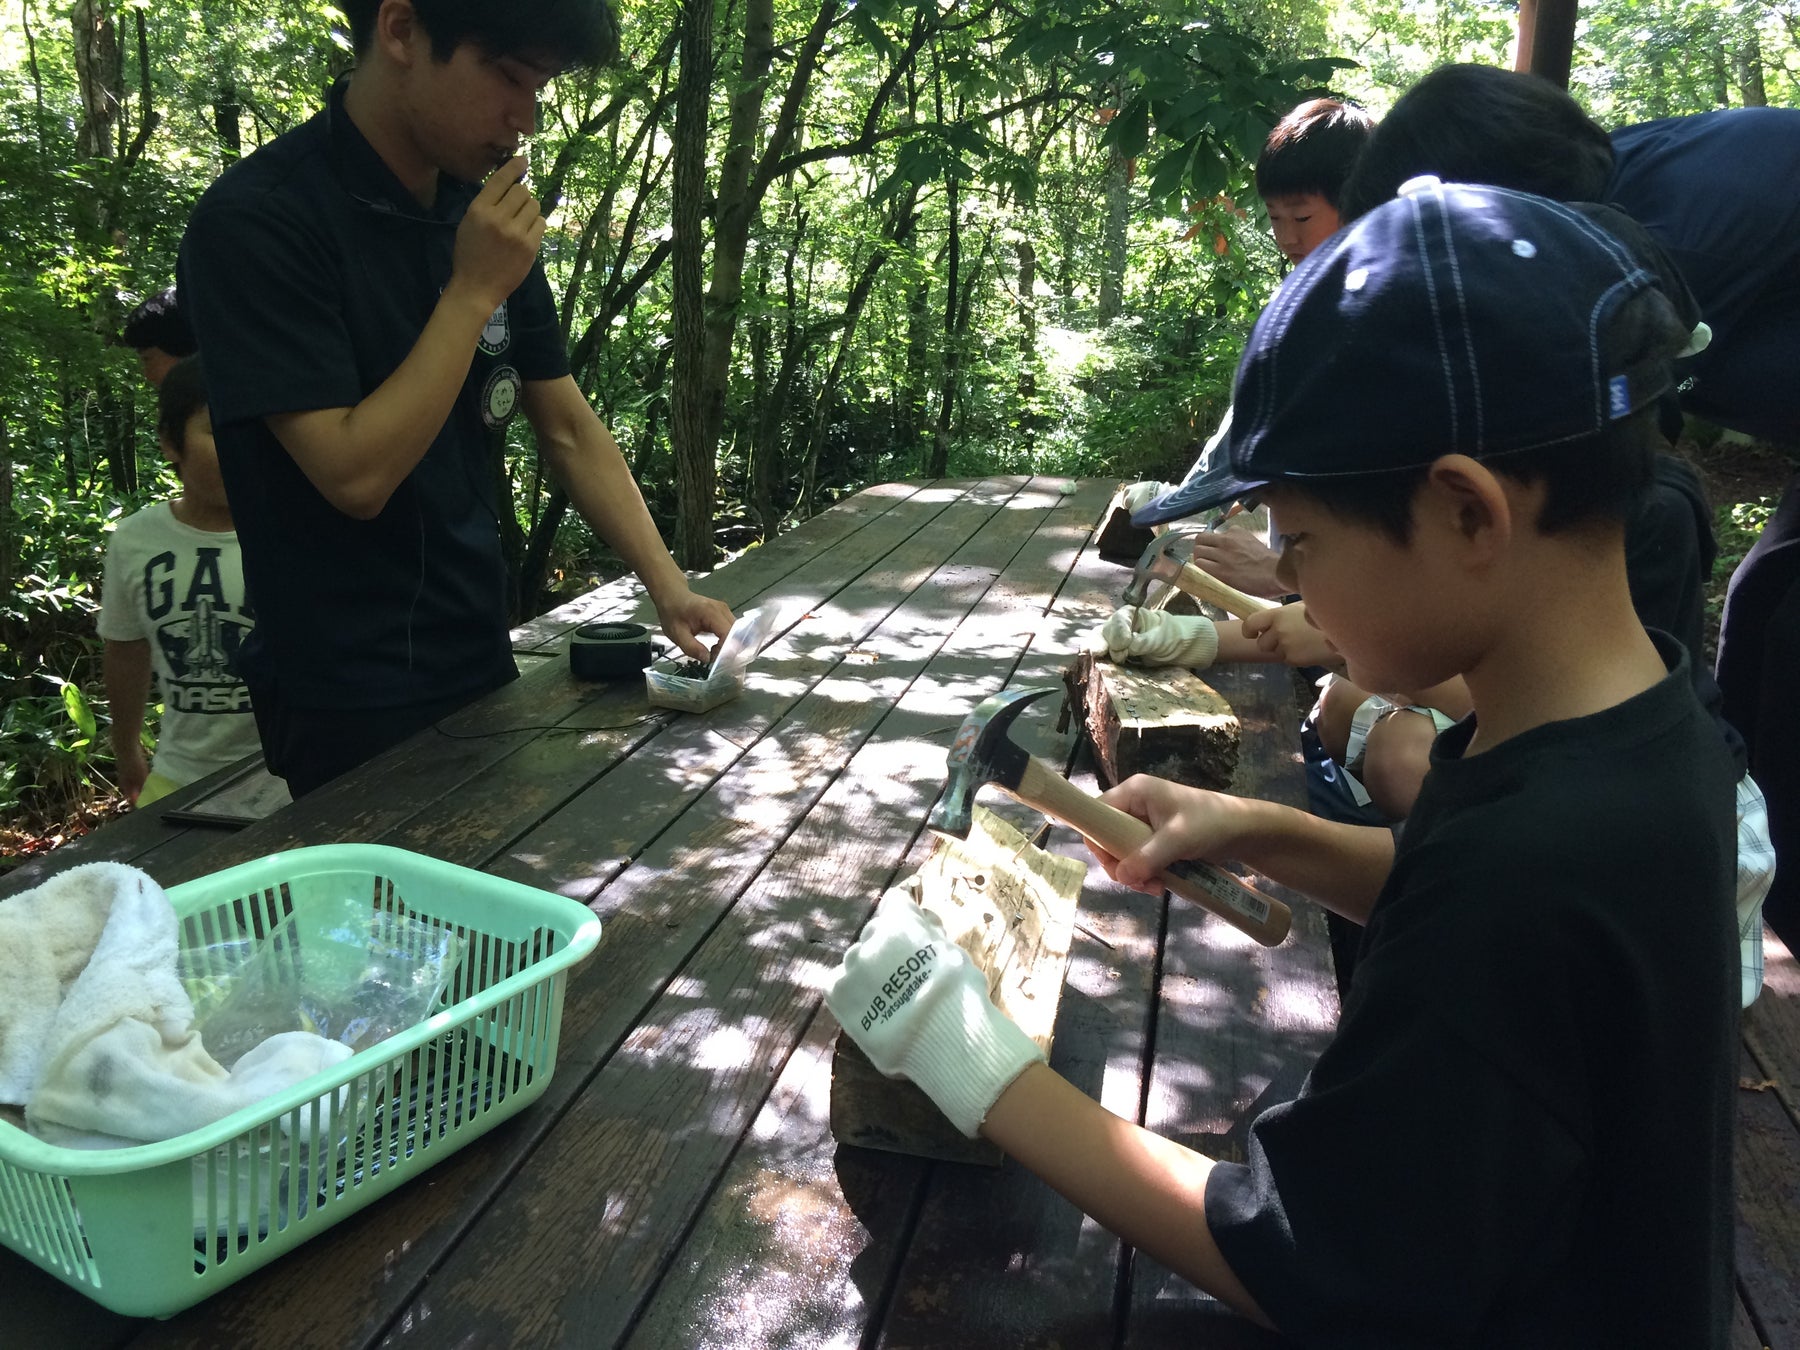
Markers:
1250,911
1205,586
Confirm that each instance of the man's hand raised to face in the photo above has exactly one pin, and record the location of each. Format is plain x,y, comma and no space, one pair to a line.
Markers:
499,237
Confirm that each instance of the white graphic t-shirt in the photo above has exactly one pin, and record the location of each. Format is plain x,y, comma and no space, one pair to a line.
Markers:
182,590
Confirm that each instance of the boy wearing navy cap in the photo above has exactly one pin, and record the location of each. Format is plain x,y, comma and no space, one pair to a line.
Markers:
1521,1133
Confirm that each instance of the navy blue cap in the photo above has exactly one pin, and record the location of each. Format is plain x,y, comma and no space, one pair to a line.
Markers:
1456,318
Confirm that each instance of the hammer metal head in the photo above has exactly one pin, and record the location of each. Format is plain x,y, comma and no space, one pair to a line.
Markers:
1162,560
982,753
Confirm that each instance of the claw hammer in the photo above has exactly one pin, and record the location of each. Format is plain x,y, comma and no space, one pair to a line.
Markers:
1167,558
984,753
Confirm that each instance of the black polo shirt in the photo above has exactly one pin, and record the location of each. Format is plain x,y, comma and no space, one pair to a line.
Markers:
309,272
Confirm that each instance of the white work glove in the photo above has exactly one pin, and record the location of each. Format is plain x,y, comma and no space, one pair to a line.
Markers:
1155,637
1140,495
919,1009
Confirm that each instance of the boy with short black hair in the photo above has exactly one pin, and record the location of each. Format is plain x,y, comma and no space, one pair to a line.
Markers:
1521,1133
1301,171
1300,177
173,605
159,333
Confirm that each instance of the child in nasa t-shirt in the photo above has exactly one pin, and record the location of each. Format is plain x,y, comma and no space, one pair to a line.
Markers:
174,604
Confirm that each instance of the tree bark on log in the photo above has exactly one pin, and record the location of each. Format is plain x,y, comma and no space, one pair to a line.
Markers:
1165,721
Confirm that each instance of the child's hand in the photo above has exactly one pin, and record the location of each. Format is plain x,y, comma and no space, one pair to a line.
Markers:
1287,635
133,769
919,1009
1186,822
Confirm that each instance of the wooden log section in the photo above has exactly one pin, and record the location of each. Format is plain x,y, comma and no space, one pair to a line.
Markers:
1119,541
1011,907
1164,720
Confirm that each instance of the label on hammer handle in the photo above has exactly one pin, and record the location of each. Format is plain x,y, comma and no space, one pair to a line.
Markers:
1224,888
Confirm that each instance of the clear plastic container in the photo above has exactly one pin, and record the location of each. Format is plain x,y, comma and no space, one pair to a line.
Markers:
724,681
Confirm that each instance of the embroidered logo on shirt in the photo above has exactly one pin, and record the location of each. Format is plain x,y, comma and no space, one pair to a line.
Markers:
500,397
496,334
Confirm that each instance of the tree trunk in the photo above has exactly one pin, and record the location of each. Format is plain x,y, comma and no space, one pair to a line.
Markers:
8,544
1750,70
742,183
853,308
1027,342
227,120
1113,238
939,463
100,76
1721,82
909,419
687,422
767,463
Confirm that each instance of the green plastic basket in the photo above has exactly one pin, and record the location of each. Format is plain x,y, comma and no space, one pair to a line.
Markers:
149,1230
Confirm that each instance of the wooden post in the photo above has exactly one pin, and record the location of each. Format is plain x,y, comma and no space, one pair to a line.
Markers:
1547,39
1011,907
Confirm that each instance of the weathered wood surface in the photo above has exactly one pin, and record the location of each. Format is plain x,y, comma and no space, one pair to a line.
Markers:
1011,907
679,1185
1768,1154
1162,720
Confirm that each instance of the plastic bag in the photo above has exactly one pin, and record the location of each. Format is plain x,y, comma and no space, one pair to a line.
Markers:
342,970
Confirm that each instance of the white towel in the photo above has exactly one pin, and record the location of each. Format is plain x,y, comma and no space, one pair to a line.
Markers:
109,1054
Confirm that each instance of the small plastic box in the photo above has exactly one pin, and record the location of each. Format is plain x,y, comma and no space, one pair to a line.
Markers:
149,1230
725,681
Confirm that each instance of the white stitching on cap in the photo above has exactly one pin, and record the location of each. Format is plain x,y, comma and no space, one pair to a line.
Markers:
1468,339
1414,202
1627,262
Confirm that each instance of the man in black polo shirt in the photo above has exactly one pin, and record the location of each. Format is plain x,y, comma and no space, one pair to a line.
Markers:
371,318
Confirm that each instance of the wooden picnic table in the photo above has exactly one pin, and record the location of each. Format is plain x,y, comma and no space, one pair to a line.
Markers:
678,1185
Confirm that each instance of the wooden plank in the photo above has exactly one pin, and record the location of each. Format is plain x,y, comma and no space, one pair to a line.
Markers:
709,1049
1238,1025
1001,1259
415,782
1768,1153
602,1007
597,834
1744,1335
820,1294
123,839
797,1245
1166,721
1772,1023
1011,907
493,812
625,598
998,1258
436,792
